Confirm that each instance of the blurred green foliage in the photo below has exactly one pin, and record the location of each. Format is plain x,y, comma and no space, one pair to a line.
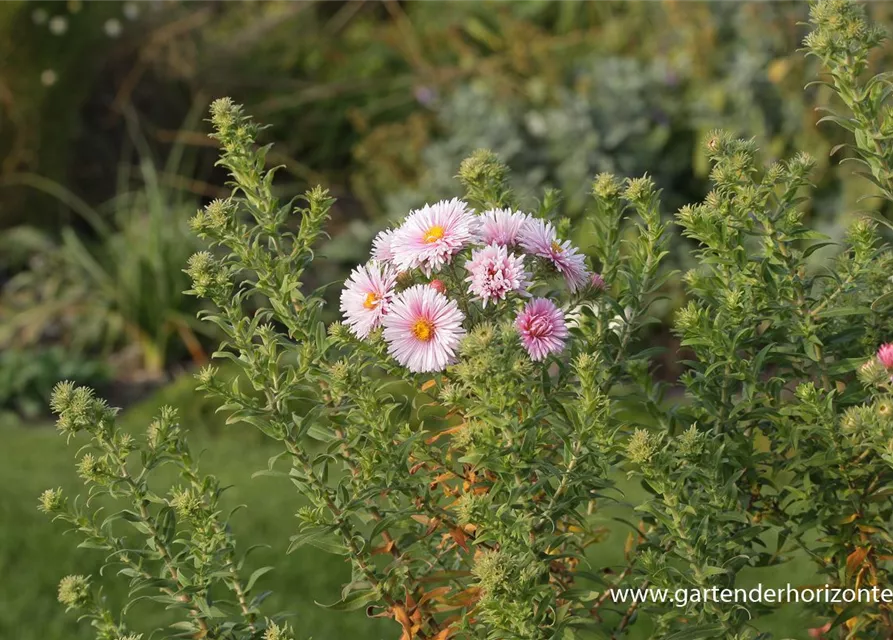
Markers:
117,291
648,83
27,376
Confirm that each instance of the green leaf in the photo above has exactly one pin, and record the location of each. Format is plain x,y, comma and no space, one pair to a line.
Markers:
882,302
841,312
846,614
254,576
320,539
356,600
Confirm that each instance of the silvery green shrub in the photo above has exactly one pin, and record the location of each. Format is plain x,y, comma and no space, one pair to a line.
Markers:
459,436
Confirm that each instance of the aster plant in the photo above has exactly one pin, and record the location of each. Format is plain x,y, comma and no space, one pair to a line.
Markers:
781,448
170,542
452,433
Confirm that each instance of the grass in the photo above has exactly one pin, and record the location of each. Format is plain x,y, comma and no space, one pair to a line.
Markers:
34,556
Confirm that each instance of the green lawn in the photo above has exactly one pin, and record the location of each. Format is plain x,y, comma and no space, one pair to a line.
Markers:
33,554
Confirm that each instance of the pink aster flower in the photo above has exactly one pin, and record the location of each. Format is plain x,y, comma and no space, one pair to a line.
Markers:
366,297
538,237
502,226
542,328
885,355
423,329
431,236
494,273
381,246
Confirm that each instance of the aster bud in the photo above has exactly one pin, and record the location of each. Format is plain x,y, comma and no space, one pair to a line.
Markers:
438,285
801,165
74,591
606,186
639,190
690,443
873,373
186,503
319,203
597,282
491,568
641,447
718,143
209,277
206,375
52,501
225,113
92,469
215,218
482,167
275,632
856,419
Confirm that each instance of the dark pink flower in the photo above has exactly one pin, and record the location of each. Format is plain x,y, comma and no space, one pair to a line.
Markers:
885,355
542,328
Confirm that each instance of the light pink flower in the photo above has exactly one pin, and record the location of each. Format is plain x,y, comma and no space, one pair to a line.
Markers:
885,355
366,297
431,236
494,273
542,328
381,246
502,226
538,237
423,329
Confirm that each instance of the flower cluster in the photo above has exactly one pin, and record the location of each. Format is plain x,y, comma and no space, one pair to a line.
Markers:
421,323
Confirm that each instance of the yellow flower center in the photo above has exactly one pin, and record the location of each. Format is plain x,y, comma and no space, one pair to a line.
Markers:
557,247
371,301
423,330
433,234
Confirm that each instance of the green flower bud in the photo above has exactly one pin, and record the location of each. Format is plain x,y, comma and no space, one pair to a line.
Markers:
639,190
61,397
225,113
641,447
275,632
450,394
92,469
187,505
482,167
491,568
873,373
856,419
690,443
339,331
52,501
209,277
206,375
606,186
74,591
801,165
